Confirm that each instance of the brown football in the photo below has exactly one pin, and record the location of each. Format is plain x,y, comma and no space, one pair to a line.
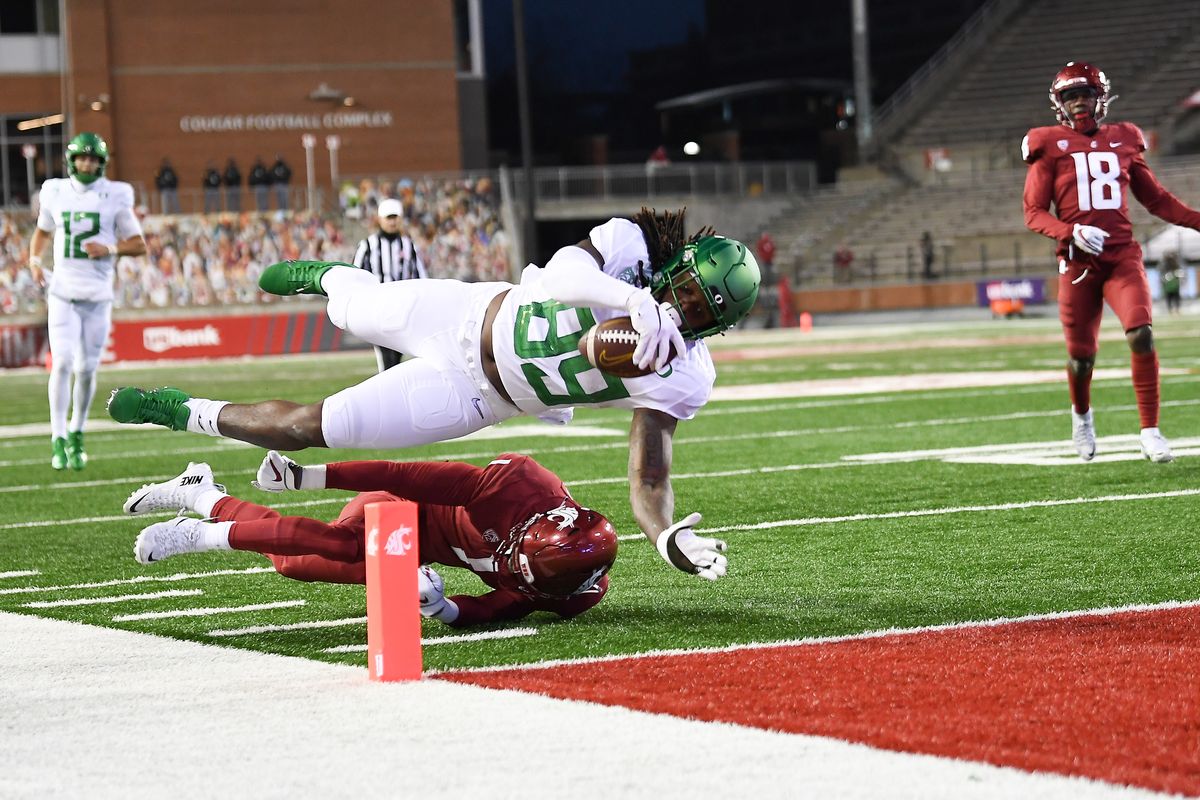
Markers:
609,347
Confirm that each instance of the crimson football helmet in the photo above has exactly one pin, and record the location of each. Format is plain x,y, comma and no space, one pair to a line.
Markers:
1080,75
557,553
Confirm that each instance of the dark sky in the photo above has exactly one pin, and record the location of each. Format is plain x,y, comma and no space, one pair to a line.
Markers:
597,68
584,46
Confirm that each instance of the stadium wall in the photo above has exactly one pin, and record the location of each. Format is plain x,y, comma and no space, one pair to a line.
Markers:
194,336
203,82
893,298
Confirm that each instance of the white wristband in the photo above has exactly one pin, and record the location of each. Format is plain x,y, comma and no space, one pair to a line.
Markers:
35,261
112,250
312,477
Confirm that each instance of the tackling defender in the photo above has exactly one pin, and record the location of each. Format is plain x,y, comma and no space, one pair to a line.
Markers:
1088,170
93,224
512,523
487,352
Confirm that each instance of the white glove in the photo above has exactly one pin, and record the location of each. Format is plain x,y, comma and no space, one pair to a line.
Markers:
432,597
278,473
1089,238
696,555
658,330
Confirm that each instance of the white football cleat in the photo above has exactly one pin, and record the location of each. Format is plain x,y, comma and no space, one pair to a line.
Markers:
1083,433
177,494
1155,447
165,539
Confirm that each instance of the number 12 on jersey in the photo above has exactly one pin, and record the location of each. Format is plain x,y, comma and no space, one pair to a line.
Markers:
78,226
1097,177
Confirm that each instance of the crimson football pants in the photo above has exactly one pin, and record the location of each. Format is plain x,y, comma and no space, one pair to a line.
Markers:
301,548
1117,277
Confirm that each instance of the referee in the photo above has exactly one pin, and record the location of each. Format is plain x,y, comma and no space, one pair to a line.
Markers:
389,256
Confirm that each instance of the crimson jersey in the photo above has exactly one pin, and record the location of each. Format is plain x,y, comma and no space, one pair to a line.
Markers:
1088,178
466,512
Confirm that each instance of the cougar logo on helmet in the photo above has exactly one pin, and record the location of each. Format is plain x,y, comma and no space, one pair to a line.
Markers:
565,515
557,553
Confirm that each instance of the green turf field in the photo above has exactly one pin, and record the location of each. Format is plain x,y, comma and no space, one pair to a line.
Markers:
864,541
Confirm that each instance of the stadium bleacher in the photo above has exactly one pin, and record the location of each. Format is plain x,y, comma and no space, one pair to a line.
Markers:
1149,51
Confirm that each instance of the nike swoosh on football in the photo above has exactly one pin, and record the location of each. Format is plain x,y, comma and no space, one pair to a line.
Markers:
608,361
1114,144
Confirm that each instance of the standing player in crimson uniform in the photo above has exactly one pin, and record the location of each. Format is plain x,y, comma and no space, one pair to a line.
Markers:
512,523
1088,170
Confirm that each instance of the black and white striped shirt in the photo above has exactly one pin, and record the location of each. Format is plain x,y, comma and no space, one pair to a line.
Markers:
394,259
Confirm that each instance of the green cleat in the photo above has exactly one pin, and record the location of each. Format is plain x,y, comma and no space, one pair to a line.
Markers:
296,277
58,452
76,457
165,406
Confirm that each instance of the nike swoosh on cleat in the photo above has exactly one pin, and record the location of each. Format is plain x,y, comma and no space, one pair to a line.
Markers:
478,403
133,506
278,477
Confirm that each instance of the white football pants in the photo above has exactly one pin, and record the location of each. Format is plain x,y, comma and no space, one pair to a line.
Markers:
441,393
78,330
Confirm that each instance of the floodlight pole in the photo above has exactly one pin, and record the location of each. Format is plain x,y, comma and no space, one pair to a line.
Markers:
864,115
529,228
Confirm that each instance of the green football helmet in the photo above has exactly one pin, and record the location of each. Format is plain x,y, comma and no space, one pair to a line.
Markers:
86,144
722,272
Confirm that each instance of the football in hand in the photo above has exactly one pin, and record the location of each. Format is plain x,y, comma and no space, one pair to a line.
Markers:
609,347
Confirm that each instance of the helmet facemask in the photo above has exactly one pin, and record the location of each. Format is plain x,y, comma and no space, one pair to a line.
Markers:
1081,76
711,283
86,144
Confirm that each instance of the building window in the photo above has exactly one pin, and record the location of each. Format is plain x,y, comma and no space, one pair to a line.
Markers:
25,17
15,177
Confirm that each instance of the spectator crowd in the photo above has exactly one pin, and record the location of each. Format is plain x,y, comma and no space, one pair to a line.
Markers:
215,259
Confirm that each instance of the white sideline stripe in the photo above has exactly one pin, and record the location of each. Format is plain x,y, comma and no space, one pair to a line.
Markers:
179,576
37,487
462,637
171,691
1104,611
193,452
295,626
122,598
879,384
730,473
931,512
20,573
204,612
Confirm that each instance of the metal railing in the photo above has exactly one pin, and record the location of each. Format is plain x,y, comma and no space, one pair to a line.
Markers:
670,180
982,24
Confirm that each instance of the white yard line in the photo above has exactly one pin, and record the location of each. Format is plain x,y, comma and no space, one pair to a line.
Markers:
1105,611
511,633
295,626
933,512
123,598
178,576
20,573
204,612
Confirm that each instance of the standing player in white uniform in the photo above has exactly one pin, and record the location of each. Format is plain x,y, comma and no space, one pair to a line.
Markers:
486,352
93,224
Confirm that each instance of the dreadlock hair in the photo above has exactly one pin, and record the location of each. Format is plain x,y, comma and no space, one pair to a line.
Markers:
664,234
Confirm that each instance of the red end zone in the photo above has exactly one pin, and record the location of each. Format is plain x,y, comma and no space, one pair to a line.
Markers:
1114,697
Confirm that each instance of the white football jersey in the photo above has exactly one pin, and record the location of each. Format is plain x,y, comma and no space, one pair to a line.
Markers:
535,339
101,212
